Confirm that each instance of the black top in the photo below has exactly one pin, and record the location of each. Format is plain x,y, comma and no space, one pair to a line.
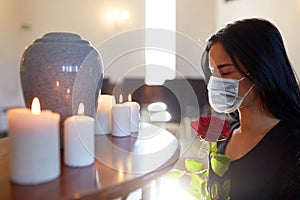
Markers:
271,170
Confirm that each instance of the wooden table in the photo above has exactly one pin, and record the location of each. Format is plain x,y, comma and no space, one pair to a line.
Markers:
121,165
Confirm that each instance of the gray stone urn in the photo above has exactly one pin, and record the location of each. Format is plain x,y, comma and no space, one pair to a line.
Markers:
62,70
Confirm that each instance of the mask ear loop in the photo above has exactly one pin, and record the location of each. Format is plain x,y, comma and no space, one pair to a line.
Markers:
248,90
244,77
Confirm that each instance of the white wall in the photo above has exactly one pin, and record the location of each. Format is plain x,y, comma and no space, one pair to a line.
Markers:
284,14
10,50
196,22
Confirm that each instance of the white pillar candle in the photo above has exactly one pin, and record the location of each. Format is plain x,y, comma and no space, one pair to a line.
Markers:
134,114
79,145
121,119
103,122
34,144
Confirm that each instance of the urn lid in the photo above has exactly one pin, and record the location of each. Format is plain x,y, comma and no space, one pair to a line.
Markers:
62,37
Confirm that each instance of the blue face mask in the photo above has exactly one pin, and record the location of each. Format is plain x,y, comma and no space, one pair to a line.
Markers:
223,94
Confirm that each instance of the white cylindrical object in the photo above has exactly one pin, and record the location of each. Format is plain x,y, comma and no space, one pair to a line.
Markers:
121,120
134,115
79,141
103,122
34,146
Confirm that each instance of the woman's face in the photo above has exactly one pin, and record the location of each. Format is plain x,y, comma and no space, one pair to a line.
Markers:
222,66
220,63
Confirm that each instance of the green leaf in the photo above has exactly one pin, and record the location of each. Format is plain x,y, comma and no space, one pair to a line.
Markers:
226,188
175,174
215,188
212,147
204,191
208,197
205,173
220,163
193,165
196,182
194,193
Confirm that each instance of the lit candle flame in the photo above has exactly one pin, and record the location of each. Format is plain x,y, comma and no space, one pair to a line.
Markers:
68,91
121,98
81,109
129,98
35,106
57,83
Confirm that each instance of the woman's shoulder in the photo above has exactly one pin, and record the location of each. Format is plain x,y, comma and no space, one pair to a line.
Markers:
291,130
286,136
291,186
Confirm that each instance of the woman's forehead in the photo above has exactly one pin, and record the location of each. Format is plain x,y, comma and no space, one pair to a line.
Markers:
218,55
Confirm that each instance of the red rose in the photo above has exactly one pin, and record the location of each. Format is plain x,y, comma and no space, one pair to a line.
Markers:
211,128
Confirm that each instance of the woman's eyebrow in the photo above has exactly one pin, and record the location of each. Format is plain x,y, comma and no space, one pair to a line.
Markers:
224,65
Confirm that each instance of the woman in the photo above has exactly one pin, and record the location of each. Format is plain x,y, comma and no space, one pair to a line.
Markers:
251,73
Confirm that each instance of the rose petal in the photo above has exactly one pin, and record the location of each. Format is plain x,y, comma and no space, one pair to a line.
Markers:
217,127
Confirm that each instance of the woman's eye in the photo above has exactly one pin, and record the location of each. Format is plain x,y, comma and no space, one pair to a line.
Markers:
225,73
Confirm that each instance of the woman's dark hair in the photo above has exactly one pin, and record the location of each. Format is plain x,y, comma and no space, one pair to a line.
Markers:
258,46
